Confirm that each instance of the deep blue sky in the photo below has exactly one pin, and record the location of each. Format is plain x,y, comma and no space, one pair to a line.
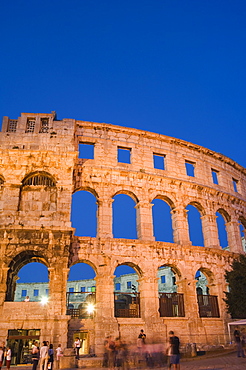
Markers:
170,66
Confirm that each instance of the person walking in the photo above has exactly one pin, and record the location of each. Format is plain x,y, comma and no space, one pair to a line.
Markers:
1,356
238,341
43,357
59,354
51,357
35,355
77,346
8,357
173,351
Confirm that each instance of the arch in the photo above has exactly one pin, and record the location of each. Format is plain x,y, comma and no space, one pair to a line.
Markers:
225,214
242,220
16,264
165,199
124,216
77,275
195,210
171,303
221,218
84,213
198,206
39,178
162,219
42,201
127,192
126,295
89,190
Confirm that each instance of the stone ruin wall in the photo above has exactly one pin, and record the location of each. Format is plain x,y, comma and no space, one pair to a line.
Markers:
35,226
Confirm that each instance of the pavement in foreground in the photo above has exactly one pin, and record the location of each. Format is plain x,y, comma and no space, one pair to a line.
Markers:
224,361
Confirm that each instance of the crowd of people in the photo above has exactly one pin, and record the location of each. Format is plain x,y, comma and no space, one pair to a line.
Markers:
44,356
118,355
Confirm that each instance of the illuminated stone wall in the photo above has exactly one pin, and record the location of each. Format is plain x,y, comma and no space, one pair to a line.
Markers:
40,170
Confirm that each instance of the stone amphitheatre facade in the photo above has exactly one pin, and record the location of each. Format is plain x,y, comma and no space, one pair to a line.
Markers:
40,170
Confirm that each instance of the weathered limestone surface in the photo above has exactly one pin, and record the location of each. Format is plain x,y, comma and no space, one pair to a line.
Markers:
35,226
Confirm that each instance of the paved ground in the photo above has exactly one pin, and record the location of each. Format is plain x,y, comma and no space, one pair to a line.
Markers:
221,362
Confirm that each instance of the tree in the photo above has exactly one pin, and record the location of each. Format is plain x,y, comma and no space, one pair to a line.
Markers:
236,297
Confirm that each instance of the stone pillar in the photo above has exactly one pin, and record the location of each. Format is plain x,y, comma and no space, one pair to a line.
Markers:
234,237
144,221
188,288
149,300
3,283
180,226
104,218
58,276
105,322
210,231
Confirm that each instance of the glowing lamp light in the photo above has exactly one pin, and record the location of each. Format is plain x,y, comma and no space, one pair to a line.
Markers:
90,308
44,300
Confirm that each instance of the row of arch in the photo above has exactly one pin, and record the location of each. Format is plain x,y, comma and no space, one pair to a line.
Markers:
126,275
84,218
84,211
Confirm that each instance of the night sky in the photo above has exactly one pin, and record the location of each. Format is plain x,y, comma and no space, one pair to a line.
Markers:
172,67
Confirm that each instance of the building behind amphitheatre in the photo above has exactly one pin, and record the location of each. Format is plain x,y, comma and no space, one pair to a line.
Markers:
41,169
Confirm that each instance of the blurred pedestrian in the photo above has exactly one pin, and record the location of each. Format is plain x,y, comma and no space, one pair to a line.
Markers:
43,356
35,355
59,354
173,351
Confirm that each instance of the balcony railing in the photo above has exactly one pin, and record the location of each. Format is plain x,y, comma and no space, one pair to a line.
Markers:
126,304
171,305
81,304
208,305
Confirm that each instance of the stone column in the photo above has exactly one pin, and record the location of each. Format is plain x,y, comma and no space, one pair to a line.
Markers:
3,283
105,322
233,235
210,231
144,221
105,218
180,226
149,300
58,276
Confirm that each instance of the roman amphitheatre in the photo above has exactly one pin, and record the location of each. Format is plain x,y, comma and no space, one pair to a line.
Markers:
41,169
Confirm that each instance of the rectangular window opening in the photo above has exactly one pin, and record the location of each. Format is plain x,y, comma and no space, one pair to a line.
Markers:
36,292
82,289
86,151
124,155
235,185
30,125
71,290
47,291
190,168
44,125
24,293
117,286
163,279
129,285
215,177
159,161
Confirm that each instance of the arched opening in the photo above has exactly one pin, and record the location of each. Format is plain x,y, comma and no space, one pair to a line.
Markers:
27,257
124,217
171,303
222,232
195,225
38,193
126,294
33,283
242,228
162,221
81,289
84,213
207,303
